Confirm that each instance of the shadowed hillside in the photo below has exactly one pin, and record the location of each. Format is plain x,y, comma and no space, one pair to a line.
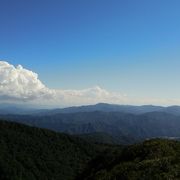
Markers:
32,153
154,159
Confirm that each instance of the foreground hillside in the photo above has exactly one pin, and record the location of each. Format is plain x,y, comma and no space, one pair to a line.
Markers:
29,153
154,159
32,153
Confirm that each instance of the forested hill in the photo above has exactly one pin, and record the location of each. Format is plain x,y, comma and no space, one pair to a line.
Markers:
28,153
155,159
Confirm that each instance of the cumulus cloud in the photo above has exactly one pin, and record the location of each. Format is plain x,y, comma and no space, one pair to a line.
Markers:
20,85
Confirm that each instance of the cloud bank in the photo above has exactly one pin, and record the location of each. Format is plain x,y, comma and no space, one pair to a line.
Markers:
20,85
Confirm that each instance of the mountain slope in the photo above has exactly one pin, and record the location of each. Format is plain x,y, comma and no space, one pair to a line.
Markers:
32,153
104,108
127,128
103,138
154,159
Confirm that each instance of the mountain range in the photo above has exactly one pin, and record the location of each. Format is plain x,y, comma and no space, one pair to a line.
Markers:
121,124
30,153
19,109
127,128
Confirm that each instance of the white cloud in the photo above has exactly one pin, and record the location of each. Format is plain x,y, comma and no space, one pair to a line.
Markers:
19,85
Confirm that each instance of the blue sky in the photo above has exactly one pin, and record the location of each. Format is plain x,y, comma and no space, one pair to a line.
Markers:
124,46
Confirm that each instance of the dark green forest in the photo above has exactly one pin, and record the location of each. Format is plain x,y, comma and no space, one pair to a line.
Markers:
155,159
34,154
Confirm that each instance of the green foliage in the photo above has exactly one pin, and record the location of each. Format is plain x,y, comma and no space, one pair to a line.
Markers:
28,153
35,154
103,138
154,159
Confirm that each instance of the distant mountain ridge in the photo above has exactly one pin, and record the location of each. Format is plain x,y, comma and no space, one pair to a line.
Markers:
127,128
13,109
106,108
102,122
